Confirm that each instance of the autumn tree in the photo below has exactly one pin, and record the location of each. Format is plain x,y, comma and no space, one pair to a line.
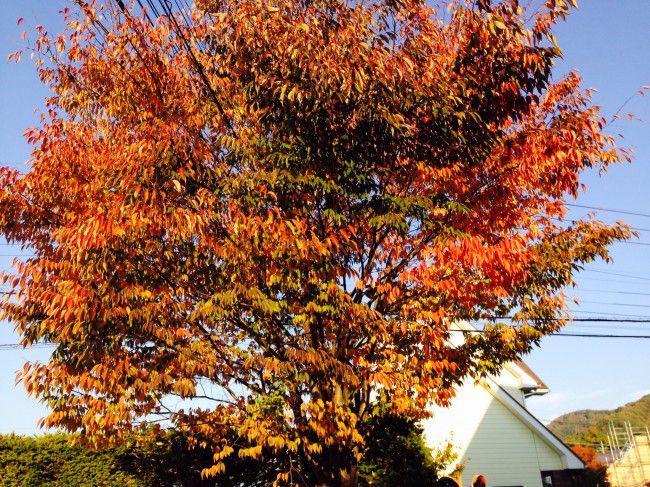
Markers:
595,469
251,219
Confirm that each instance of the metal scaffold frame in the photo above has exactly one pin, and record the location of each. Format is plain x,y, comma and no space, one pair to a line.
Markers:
628,455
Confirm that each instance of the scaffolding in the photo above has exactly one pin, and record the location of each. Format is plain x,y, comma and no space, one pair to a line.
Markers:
628,455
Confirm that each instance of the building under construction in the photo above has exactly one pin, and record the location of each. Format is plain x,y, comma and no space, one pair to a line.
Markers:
627,454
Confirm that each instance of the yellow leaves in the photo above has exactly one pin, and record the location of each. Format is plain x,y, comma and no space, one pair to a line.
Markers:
495,24
252,452
282,477
293,445
213,470
293,93
290,252
395,119
314,448
359,81
184,387
224,452
276,442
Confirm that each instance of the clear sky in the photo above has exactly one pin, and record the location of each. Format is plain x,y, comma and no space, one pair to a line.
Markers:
607,42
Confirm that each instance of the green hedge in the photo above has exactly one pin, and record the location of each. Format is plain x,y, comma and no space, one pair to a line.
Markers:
396,455
49,460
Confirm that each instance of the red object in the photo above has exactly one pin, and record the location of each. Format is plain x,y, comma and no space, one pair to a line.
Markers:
479,481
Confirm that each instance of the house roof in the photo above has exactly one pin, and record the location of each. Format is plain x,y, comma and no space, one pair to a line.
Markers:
523,366
532,384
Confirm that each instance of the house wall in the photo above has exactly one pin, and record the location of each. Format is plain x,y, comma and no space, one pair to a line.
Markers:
491,440
511,382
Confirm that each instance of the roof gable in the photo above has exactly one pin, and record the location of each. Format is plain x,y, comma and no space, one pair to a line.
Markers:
570,458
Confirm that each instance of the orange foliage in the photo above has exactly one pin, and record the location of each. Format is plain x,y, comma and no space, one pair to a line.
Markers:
596,471
589,456
271,209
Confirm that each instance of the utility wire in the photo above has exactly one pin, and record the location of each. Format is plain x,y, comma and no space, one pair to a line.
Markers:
607,291
627,271
609,210
631,305
17,346
610,328
574,335
630,242
606,313
570,220
620,274
604,317
609,281
610,320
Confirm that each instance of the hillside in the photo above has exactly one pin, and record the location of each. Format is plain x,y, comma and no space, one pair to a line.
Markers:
590,426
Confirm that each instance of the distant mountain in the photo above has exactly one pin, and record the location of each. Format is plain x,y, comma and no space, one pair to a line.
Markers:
590,426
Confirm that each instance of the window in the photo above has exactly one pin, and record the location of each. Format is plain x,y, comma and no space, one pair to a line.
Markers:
563,478
547,480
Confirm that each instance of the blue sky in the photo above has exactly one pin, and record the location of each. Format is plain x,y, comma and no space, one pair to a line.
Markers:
607,42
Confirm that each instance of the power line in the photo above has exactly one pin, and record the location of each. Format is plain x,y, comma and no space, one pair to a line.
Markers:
638,229
623,270
605,317
17,346
605,313
573,335
610,327
611,320
620,274
609,210
596,335
630,242
570,220
631,305
618,281
627,293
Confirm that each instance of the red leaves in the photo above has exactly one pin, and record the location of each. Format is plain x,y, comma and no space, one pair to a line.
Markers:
15,56
298,220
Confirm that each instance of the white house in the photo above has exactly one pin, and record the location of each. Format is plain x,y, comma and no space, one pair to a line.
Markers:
496,436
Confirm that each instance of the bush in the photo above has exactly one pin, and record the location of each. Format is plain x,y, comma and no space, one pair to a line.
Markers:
49,460
396,455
